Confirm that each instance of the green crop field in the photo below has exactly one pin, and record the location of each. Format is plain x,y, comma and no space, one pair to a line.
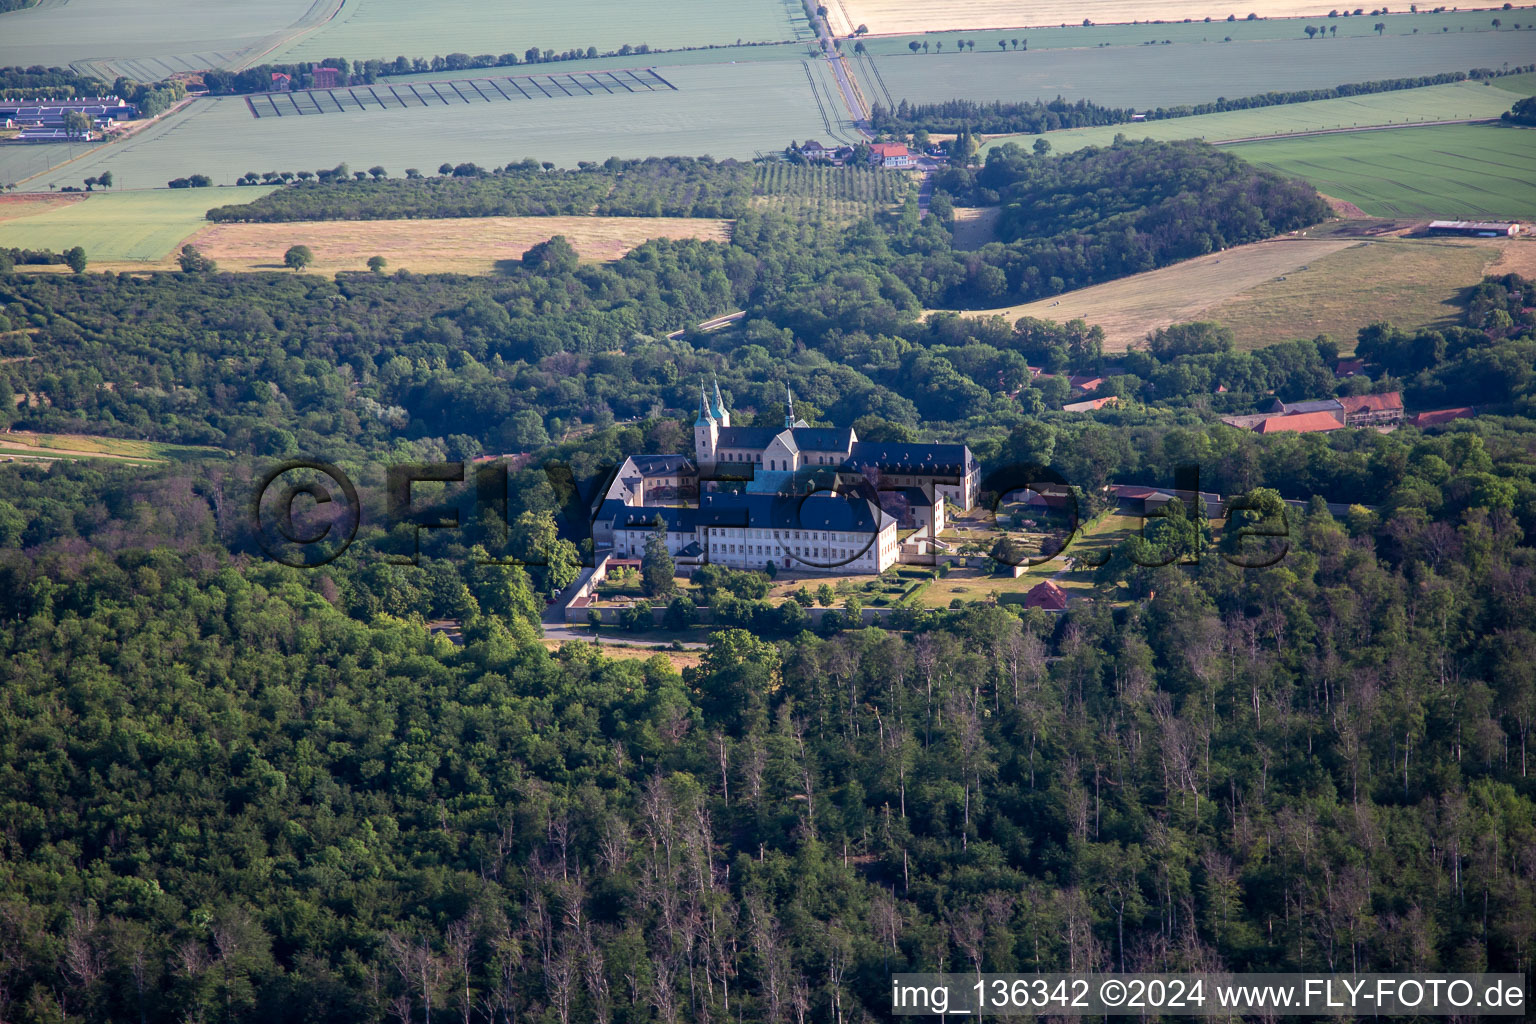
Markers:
1198,31
1447,171
110,37
1432,103
673,58
120,226
724,110
383,28
1152,76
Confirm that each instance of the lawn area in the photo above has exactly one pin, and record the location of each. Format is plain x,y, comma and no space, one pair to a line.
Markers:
1144,77
118,226
464,245
1431,103
382,28
86,446
968,584
1474,171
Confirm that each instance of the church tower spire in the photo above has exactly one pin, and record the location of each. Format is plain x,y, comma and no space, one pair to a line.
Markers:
789,407
721,412
706,430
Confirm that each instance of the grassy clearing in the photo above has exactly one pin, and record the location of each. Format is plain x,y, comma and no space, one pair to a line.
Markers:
1411,283
1129,308
479,245
626,652
1432,103
379,28
119,226
1346,284
26,444
1152,76
1446,171
725,110
110,37
1074,35
975,226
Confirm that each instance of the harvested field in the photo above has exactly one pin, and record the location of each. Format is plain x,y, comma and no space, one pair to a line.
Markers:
13,207
1129,308
454,245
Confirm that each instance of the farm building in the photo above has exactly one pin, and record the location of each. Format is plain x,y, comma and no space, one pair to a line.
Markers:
890,154
1349,368
1372,410
51,135
1474,228
813,150
280,82
328,78
1301,423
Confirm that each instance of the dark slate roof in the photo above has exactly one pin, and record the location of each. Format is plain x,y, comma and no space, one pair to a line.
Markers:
662,465
746,437
823,439
821,511
951,459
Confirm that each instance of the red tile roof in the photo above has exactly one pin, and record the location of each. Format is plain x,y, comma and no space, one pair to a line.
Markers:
1302,423
889,149
1046,595
1349,367
1437,416
1372,403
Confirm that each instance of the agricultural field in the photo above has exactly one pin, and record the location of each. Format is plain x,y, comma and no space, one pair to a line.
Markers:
745,54
115,227
384,28
1445,171
1431,103
480,245
834,194
724,110
1290,288
1151,76
1075,35
109,37
884,17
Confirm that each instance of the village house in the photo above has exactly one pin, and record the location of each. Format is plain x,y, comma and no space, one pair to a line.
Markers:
890,154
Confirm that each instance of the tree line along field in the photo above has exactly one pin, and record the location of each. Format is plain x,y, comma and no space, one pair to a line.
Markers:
909,16
1144,77
1447,171
1075,35
118,226
1431,103
723,110
112,38
384,28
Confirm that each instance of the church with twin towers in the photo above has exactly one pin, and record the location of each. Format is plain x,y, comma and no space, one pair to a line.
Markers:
726,503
